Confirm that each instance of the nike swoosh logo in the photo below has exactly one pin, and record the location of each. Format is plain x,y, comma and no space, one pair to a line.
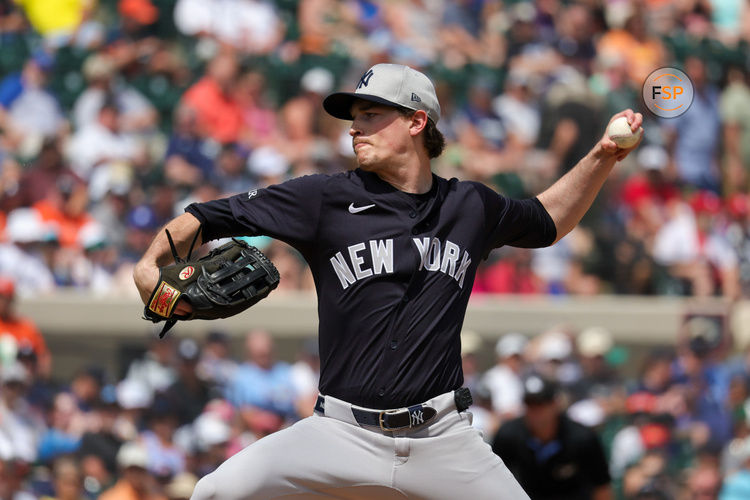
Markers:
356,210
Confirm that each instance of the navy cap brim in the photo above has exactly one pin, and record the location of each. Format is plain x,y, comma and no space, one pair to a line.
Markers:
339,105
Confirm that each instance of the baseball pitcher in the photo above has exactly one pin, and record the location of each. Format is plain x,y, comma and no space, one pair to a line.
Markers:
393,249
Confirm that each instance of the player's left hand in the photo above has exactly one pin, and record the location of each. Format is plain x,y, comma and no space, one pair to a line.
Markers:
225,282
609,147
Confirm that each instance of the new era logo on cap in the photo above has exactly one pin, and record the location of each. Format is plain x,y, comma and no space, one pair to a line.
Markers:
389,84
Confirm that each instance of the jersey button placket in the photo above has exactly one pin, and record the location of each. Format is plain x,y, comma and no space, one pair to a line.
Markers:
413,214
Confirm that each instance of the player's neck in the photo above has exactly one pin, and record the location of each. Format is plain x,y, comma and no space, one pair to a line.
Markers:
414,177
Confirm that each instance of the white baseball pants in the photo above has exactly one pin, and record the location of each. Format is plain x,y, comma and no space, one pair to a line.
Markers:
333,457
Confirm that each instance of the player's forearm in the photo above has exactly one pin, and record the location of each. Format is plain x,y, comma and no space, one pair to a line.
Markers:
182,229
568,199
146,273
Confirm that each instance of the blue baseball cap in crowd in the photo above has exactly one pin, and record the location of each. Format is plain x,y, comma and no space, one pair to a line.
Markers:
43,59
142,217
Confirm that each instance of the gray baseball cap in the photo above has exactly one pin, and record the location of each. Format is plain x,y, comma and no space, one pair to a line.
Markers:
389,84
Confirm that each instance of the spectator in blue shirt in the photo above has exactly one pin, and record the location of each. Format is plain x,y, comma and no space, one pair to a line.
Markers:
262,388
190,157
695,135
32,75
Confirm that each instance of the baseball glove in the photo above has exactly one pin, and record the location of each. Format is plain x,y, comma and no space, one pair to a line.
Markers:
225,282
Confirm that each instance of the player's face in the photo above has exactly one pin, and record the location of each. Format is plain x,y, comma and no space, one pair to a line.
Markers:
380,135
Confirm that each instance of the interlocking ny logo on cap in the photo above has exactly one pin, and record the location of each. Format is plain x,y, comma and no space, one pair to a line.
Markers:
365,80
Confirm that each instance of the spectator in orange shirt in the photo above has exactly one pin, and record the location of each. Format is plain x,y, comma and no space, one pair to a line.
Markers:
66,208
217,112
23,330
643,51
135,482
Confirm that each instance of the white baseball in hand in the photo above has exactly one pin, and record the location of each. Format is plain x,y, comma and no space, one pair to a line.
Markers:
621,133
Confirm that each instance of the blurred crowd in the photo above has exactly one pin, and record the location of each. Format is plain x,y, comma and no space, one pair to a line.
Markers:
115,114
674,422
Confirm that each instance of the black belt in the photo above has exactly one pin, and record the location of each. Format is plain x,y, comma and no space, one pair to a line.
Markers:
403,418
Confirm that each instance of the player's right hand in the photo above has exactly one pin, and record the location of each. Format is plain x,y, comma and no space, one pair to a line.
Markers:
607,145
146,278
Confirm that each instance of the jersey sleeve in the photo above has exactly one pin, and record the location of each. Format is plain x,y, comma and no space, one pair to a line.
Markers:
518,223
288,211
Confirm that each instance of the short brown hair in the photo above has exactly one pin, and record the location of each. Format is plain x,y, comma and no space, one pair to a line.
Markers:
434,142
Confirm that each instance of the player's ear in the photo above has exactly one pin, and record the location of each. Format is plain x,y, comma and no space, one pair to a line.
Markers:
418,122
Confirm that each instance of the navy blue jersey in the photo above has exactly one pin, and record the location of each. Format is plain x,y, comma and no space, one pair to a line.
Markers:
393,271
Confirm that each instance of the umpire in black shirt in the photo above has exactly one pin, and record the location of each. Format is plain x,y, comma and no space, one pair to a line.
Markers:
552,456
